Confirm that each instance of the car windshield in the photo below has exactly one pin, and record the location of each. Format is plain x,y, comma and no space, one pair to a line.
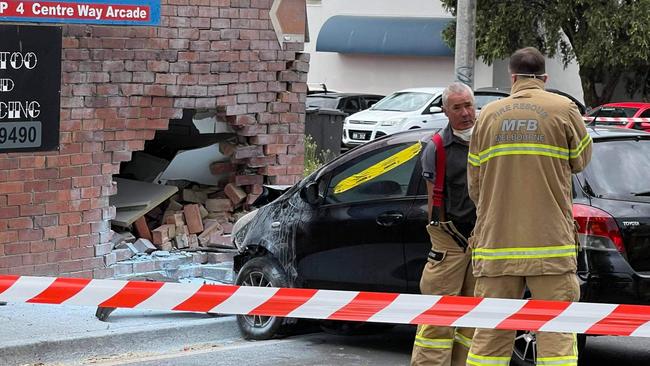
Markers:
402,102
322,102
620,168
481,100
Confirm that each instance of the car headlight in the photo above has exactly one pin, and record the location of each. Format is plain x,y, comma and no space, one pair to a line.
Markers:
393,122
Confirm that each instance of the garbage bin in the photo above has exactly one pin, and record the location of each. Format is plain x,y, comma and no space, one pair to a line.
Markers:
325,126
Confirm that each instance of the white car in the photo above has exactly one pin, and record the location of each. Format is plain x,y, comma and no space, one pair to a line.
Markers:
403,110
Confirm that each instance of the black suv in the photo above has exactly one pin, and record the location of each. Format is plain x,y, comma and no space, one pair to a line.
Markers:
348,103
324,234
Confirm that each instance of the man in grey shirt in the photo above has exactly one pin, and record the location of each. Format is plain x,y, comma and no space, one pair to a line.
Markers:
448,270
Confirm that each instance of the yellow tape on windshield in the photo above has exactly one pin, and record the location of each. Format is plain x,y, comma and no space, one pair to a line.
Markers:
378,169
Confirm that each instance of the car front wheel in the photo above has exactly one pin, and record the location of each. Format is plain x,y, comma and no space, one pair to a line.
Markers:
261,272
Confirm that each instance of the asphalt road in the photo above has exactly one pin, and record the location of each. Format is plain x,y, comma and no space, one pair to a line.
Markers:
388,348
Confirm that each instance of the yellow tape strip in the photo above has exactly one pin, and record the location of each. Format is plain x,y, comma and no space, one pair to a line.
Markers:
378,169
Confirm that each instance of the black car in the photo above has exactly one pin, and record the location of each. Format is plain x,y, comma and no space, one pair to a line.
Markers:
348,103
339,229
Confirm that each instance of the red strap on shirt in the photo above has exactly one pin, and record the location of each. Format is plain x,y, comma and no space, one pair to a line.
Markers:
441,158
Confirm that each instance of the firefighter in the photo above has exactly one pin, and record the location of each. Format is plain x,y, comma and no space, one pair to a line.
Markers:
448,269
522,153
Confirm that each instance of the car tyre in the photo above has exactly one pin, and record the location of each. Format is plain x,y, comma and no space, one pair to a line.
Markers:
261,272
525,348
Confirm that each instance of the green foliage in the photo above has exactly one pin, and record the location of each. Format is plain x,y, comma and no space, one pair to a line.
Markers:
607,38
314,160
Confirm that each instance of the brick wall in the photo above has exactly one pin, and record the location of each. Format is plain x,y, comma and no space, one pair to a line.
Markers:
119,85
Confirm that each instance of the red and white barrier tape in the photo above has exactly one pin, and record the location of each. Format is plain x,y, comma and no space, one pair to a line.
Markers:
617,119
537,315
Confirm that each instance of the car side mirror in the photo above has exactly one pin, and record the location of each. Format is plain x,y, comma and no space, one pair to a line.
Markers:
434,110
309,194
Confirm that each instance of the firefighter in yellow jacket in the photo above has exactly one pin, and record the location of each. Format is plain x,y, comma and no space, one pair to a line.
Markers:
522,153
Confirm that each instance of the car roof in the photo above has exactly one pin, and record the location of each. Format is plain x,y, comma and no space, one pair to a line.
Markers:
340,95
627,104
598,133
431,90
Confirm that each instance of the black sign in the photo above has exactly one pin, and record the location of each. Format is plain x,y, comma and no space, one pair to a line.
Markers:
30,88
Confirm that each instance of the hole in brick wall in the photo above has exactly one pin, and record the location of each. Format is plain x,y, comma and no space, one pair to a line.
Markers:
176,192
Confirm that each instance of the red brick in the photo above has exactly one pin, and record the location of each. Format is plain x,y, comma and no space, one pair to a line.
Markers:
41,246
19,199
275,149
12,187
44,221
82,229
53,232
30,234
8,236
34,258
20,223
12,261
234,193
66,243
29,210
141,228
8,212
16,248
245,180
70,266
193,218
20,175
44,197
84,252
218,168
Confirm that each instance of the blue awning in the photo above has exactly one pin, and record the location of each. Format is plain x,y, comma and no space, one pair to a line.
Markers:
384,35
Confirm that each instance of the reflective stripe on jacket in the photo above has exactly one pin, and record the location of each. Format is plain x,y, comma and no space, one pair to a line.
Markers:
522,153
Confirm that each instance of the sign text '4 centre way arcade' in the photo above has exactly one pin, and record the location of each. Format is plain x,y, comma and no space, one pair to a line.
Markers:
113,12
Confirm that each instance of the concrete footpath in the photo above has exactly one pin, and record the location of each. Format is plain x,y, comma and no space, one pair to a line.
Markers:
36,334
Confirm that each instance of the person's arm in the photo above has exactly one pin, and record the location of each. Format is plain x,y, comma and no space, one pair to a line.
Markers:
474,164
428,162
579,141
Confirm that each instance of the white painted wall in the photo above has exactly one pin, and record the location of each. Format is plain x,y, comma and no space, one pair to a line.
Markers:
378,73
384,74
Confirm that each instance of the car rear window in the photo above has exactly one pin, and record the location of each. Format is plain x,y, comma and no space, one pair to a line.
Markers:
321,102
617,112
619,168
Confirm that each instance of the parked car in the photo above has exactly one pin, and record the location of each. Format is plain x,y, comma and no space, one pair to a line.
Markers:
348,103
403,110
406,110
325,233
625,110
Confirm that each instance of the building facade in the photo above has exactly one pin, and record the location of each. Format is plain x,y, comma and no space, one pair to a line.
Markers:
122,84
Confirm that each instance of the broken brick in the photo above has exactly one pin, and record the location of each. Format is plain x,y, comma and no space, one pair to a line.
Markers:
235,194
160,235
193,218
218,204
218,168
142,229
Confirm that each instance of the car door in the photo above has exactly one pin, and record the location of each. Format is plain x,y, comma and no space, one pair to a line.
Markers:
353,240
416,239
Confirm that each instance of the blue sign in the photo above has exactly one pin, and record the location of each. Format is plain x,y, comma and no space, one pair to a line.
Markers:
109,12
